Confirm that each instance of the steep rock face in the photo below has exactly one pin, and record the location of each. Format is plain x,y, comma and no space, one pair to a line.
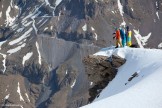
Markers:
101,70
44,41
71,84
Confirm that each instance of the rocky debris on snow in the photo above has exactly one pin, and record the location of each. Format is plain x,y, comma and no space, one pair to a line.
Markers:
132,77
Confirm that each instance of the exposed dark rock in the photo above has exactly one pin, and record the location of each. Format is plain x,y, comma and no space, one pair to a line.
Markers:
38,74
134,46
101,70
132,77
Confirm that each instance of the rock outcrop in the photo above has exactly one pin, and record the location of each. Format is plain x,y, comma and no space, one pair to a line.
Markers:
101,70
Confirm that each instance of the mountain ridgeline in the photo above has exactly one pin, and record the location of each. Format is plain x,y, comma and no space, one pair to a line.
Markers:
43,44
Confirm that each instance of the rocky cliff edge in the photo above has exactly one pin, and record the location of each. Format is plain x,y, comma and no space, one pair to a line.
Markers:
101,70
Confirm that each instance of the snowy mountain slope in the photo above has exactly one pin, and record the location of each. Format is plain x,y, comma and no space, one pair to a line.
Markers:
29,47
44,42
144,90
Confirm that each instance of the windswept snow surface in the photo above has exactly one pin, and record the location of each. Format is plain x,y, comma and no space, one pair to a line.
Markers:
123,23
4,61
26,57
132,9
11,51
39,54
92,29
27,24
57,2
33,24
27,97
160,45
1,43
1,14
47,2
84,27
19,92
141,40
7,96
45,28
9,19
73,83
66,72
120,7
113,12
96,36
143,91
157,14
157,5
25,35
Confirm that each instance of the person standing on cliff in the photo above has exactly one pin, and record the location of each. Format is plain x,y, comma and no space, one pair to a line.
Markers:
123,37
128,36
117,37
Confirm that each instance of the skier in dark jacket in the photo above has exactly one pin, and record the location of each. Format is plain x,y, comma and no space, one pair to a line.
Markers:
123,37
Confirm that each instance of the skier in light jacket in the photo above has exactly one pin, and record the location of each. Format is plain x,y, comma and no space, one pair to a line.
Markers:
128,36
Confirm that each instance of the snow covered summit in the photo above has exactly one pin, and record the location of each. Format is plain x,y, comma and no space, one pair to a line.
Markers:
137,83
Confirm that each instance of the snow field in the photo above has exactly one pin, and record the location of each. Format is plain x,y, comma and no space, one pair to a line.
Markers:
143,91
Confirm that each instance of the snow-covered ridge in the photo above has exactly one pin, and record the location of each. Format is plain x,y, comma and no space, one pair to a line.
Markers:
141,91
